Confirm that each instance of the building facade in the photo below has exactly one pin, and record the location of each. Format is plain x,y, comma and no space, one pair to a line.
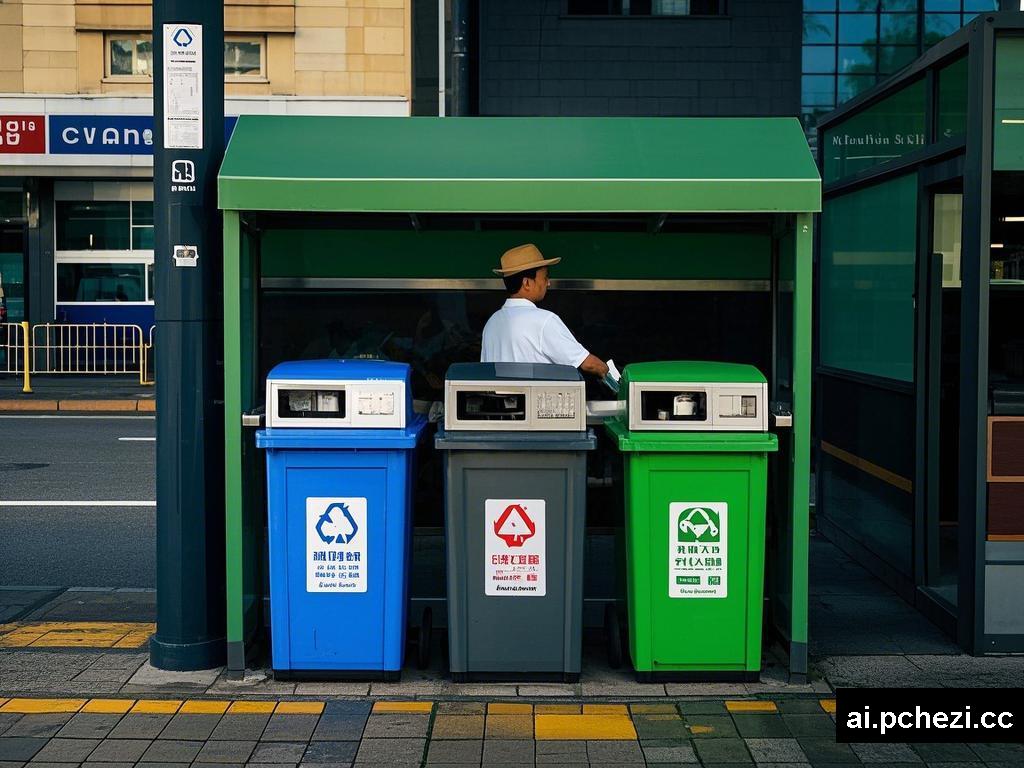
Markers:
850,45
76,210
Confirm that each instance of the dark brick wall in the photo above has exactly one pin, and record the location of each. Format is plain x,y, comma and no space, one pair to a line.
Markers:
534,60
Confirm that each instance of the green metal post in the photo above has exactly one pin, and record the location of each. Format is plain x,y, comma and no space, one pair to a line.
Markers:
803,291
233,397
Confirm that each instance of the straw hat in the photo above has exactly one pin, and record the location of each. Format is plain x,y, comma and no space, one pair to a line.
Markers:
522,258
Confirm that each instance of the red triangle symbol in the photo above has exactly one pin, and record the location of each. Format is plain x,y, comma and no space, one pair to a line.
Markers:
514,526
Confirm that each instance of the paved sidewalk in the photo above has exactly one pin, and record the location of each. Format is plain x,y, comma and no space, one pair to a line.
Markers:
76,393
151,733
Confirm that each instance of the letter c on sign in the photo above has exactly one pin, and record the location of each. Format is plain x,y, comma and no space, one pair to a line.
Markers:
68,133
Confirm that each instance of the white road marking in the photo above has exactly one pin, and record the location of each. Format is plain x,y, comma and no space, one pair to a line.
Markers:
131,439
77,503
58,416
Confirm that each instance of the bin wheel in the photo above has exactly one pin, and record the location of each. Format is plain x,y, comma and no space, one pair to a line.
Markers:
423,643
613,635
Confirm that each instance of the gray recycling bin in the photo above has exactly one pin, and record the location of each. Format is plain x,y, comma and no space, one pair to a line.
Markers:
514,443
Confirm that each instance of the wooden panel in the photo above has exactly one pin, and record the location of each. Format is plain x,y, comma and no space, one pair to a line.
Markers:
1006,449
1005,509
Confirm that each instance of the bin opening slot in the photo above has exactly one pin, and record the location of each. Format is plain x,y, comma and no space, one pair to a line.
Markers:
674,405
490,405
311,403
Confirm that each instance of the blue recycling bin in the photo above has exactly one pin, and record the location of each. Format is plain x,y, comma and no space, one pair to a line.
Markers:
340,437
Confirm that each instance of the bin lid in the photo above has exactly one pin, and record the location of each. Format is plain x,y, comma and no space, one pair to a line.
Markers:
341,439
340,369
689,442
690,372
515,441
511,372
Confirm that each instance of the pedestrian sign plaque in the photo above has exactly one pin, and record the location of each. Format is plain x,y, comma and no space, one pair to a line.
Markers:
336,544
515,560
697,549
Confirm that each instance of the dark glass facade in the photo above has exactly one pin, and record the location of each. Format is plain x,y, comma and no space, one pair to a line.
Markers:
849,45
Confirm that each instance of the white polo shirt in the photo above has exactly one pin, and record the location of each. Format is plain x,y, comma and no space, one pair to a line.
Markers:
522,332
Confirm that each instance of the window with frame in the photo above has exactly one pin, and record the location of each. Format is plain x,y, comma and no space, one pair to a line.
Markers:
646,7
101,282
104,251
104,225
849,45
245,57
129,55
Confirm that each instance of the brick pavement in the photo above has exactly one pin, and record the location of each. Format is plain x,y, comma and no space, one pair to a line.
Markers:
207,733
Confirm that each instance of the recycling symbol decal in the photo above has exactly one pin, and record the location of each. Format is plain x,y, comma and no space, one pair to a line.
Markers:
343,534
698,524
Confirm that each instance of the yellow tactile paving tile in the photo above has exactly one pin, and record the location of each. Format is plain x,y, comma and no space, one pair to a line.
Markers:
420,707
156,707
829,705
76,634
42,706
251,707
299,708
200,707
605,709
557,709
108,706
584,727
507,708
133,640
751,706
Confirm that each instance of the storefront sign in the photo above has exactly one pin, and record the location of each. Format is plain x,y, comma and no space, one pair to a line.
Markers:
97,134
698,545
101,135
22,134
183,86
336,544
515,555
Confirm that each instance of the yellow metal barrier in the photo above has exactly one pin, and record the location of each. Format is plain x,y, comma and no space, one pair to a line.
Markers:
85,348
147,352
26,386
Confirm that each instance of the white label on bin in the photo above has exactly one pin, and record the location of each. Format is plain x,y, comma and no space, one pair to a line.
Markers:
515,554
698,549
336,544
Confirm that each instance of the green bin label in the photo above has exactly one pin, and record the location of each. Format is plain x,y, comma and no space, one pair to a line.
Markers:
698,549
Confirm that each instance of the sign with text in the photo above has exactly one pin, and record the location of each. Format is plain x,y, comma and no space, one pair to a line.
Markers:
698,549
336,544
183,86
515,552
101,134
22,134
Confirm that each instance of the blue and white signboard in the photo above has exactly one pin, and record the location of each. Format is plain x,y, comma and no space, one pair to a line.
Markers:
101,134
336,544
107,134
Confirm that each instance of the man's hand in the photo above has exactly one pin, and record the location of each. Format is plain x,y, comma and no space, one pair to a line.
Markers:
595,366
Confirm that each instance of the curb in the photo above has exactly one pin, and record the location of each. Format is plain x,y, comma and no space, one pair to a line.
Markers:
94,406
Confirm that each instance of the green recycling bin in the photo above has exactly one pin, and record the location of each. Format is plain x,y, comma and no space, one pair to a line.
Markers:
695,442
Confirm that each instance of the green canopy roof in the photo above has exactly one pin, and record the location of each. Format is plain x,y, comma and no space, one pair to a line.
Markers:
518,165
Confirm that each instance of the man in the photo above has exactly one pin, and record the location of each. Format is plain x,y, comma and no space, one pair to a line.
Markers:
520,332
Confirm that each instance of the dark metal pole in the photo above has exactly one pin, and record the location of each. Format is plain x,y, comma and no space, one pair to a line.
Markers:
460,58
188,143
